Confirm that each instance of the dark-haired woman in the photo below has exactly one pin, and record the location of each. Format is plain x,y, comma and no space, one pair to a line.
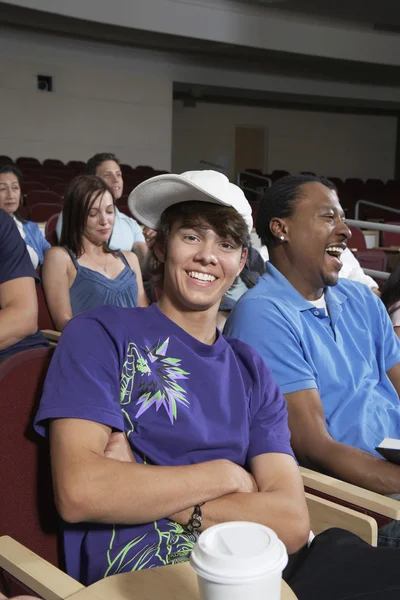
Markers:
10,201
391,298
84,272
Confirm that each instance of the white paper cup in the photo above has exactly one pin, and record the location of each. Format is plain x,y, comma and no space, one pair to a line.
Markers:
239,561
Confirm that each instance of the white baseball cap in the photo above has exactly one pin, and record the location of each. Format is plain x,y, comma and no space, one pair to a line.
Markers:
150,198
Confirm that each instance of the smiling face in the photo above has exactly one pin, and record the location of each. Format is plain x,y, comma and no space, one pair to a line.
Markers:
315,236
200,266
100,220
10,193
110,172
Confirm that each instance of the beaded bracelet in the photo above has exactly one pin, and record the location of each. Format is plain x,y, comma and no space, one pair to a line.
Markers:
195,520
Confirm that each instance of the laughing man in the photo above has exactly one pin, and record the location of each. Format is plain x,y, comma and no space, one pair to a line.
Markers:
328,341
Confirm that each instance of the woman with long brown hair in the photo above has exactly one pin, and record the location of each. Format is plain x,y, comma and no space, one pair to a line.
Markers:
83,272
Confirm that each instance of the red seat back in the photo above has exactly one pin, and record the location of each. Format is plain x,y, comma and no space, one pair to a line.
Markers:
44,317
391,238
42,196
50,233
372,259
35,186
53,163
25,161
28,512
51,181
40,213
357,239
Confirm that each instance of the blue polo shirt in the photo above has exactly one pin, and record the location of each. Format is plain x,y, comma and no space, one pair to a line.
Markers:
345,355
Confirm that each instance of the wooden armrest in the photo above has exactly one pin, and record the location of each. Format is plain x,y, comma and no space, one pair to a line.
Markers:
325,514
350,493
34,572
51,334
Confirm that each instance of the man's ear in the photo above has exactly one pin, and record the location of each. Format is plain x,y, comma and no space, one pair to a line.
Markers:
279,228
243,258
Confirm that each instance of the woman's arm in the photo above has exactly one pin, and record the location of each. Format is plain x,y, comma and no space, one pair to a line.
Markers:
56,286
135,266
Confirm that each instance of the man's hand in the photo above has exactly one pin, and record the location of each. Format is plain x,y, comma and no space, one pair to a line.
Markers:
246,484
118,448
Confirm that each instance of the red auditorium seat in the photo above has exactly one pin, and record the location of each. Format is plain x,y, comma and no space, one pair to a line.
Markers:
40,213
355,187
63,174
357,239
78,166
336,181
44,317
143,168
31,174
27,511
24,161
372,259
255,204
126,168
125,210
31,186
60,188
54,163
24,213
39,197
50,235
278,174
391,238
50,181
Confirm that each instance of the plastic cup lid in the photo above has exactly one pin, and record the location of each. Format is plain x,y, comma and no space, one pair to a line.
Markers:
238,550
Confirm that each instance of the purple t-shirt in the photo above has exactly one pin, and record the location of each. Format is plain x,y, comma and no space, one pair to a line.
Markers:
179,401
15,263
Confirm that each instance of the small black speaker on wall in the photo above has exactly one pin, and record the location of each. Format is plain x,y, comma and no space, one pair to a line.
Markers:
45,83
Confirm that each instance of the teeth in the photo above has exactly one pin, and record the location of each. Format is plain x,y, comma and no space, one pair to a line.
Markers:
336,249
201,276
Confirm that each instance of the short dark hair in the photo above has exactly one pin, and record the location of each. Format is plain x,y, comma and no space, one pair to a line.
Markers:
79,197
97,160
11,169
225,220
279,202
4,169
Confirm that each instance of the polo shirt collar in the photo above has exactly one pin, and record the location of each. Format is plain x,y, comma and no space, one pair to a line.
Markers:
283,289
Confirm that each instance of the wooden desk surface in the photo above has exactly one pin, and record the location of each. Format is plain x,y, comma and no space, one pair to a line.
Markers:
174,582
395,249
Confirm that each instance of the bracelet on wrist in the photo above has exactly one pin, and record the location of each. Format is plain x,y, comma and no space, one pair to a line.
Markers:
195,520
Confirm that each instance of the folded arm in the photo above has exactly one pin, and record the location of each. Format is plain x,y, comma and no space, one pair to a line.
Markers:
312,442
279,502
275,499
90,486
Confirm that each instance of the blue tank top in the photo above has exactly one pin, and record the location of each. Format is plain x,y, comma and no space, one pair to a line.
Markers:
91,289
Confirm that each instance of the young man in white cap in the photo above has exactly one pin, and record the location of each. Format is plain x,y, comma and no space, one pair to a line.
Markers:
206,424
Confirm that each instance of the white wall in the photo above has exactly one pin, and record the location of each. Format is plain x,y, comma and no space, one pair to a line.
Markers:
235,22
96,106
120,99
329,144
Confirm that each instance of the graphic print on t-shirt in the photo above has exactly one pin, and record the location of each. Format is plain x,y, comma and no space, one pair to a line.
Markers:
158,375
158,379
